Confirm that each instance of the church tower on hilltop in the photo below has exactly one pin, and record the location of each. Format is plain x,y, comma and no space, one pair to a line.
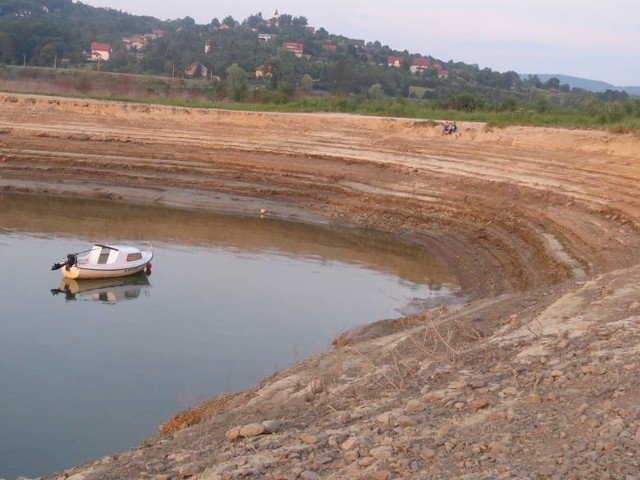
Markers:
274,20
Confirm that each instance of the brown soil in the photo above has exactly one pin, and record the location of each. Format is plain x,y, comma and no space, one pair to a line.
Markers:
537,376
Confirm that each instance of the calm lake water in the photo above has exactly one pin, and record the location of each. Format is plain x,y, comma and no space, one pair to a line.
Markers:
91,369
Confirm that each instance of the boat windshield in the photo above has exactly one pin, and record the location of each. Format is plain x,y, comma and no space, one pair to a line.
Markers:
104,255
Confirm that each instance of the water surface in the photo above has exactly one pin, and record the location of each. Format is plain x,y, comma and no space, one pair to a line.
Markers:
91,369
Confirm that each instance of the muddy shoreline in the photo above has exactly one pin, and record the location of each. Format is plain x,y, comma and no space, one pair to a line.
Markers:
536,224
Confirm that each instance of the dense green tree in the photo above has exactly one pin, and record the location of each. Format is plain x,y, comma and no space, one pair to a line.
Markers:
342,75
553,82
229,22
299,23
306,83
375,92
285,21
322,35
236,82
254,21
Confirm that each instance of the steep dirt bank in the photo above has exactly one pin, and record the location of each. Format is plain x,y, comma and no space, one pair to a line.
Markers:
536,376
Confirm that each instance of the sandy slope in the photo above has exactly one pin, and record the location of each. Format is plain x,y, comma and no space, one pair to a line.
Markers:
536,376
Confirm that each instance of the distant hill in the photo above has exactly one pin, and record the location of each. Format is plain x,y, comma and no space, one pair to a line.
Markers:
586,84
60,33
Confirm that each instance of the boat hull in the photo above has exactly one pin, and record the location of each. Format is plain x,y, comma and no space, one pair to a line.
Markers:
90,272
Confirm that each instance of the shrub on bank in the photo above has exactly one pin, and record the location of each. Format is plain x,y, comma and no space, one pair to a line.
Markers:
539,111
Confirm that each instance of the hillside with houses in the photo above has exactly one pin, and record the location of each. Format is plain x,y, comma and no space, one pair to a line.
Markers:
273,50
265,58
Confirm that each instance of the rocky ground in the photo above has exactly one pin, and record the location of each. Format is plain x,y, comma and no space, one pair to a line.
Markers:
534,377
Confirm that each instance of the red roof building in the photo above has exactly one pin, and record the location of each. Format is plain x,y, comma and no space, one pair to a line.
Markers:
394,61
100,52
420,64
296,48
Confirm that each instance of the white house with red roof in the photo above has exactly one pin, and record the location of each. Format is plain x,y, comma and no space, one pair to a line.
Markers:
296,48
100,52
395,61
419,64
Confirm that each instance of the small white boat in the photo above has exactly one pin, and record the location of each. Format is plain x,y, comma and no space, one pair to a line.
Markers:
105,261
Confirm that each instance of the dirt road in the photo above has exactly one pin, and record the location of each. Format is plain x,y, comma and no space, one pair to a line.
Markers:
540,226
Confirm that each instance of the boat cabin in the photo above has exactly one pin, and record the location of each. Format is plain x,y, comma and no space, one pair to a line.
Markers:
103,255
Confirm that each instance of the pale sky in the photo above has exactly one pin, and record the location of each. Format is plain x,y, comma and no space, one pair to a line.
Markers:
597,40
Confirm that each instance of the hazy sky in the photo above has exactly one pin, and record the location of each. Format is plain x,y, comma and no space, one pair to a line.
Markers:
598,40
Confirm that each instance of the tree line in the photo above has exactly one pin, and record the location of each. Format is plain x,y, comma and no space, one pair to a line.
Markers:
58,33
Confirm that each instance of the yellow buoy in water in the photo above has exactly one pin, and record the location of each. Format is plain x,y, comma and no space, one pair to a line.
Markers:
263,212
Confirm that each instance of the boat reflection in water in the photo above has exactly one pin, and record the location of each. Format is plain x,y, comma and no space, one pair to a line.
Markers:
104,290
